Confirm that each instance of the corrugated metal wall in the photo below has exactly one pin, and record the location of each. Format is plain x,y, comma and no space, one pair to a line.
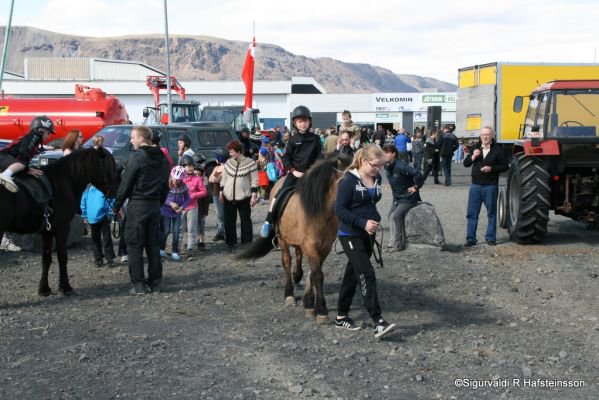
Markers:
58,69
105,70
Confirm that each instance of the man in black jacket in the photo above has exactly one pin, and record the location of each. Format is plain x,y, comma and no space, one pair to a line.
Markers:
488,160
448,143
145,184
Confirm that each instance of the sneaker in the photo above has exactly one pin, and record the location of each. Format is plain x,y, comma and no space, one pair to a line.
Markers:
110,263
265,231
382,328
8,183
124,259
99,263
138,289
201,245
8,245
176,257
491,243
347,323
469,243
162,253
218,237
154,287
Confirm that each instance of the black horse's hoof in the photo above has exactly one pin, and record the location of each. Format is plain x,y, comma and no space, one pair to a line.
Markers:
67,291
44,292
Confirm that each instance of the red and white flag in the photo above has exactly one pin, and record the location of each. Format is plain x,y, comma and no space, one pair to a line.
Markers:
247,75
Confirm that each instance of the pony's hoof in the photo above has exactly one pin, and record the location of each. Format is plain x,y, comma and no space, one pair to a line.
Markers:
309,313
44,292
290,301
322,319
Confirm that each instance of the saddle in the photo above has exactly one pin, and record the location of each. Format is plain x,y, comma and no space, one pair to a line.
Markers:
38,188
41,191
283,197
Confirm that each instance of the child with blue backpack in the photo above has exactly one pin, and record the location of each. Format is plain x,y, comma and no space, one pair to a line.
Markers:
96,210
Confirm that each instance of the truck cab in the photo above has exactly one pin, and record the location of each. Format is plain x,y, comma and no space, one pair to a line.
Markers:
234,116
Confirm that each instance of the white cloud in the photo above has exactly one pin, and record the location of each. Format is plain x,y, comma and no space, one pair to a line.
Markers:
430,38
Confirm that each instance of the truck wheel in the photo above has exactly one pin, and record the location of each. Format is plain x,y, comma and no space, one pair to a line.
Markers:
502,211
528,195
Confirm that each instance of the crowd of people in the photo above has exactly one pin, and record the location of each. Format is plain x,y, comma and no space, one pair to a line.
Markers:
160,197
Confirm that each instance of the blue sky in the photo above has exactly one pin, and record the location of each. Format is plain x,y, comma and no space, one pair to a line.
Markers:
429,38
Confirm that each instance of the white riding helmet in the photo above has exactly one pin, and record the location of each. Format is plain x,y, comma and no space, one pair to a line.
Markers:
178,172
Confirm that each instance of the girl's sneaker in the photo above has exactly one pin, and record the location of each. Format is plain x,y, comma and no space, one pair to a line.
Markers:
176,257
347,323
382,328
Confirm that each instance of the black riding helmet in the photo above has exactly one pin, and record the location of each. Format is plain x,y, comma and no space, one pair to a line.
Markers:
186,139
41,122
187,160
200,162
301,111
156,137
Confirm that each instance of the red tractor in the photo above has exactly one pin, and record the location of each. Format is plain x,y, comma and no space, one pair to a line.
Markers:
556,161
181,110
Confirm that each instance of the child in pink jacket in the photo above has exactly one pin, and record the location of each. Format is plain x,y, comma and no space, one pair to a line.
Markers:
197,190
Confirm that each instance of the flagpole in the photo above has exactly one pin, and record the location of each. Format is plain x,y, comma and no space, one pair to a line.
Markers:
168,65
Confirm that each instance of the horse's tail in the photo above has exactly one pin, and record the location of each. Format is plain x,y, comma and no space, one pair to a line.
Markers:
259,248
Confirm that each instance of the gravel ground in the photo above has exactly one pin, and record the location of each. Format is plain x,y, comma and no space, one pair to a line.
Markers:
517,317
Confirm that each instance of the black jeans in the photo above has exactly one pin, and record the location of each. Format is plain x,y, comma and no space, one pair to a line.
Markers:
102,240
245,217
358,271
429,166
143,232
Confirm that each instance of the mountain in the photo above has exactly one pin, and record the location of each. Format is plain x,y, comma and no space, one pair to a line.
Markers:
209,58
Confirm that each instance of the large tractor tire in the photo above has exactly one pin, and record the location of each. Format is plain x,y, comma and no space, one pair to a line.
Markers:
502,211
528,197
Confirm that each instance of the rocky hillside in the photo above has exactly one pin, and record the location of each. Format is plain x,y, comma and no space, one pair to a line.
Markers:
209,58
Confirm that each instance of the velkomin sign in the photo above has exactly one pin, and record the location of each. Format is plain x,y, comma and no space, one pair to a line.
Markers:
398,102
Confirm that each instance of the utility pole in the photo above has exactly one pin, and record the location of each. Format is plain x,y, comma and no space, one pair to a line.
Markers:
5,48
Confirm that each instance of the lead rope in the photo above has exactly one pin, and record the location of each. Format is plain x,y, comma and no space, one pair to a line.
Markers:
377,249
116,227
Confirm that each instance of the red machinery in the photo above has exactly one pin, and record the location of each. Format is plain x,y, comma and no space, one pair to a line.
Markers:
89,111
181,110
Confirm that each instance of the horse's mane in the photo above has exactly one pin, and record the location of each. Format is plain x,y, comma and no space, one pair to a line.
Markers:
314,187
77,165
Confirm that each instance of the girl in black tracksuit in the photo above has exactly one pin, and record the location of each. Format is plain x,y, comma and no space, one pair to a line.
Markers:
357,194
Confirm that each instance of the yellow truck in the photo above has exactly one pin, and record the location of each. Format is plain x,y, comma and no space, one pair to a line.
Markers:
486,94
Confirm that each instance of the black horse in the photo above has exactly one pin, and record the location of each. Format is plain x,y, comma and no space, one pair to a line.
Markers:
68,177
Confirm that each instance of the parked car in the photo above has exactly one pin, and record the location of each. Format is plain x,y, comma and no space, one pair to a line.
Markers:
205,138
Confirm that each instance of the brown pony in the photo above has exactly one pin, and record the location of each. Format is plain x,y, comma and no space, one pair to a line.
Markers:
309,224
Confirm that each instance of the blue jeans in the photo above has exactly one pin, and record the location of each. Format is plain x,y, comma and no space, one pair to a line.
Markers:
478,195
171,225
446,166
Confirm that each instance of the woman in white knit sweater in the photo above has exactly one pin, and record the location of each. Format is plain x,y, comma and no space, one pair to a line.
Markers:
239,187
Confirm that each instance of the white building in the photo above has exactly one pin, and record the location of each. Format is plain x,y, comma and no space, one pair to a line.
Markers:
56,77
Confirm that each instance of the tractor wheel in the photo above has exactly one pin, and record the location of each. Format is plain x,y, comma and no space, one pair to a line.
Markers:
528,195
502,211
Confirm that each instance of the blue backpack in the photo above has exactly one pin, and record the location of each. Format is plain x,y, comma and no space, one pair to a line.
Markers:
272,171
